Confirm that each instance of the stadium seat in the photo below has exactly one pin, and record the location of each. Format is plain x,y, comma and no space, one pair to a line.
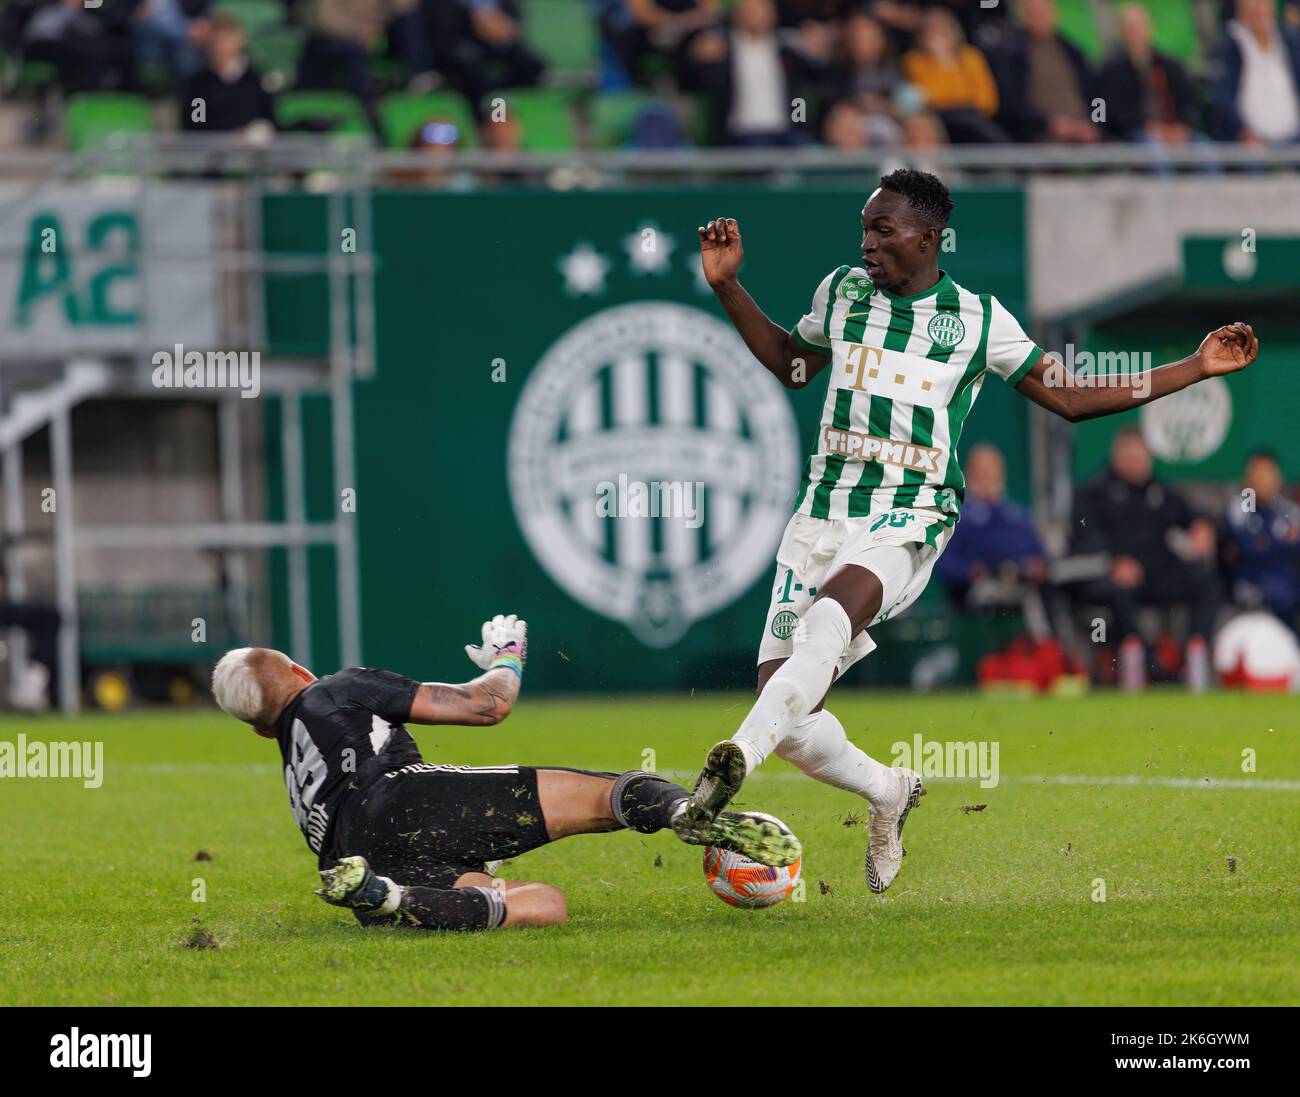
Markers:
1077,20
563,33
613,114
35,76
545,116
276,50
345,112
1176,31
92,117
254,16
403,113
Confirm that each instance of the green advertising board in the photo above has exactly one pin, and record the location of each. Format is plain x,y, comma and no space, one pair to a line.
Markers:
542,354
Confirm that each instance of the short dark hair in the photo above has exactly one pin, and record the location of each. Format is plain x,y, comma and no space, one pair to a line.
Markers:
924,192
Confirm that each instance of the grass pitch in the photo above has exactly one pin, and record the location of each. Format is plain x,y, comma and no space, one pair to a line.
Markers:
995,905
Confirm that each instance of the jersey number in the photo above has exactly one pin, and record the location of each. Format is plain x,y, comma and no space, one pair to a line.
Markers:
304,774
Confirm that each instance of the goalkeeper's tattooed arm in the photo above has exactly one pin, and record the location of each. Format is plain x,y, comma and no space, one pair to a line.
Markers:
489,698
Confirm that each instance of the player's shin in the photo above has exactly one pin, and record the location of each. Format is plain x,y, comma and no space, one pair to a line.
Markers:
822,638
645,802
818,745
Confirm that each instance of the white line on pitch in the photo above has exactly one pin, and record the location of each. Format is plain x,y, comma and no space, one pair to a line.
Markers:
1069,779
235,768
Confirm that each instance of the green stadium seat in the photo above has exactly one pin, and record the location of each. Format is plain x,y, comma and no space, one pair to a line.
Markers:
1077,20
403,113
613,114
276,50
545,116
254,16
93,117
1176,32
36,76
699,118
563,33
345,111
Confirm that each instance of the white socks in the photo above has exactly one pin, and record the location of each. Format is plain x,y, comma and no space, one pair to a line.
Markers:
780,720
820,642
819,747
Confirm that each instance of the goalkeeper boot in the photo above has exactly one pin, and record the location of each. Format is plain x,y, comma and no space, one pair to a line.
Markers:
723,773
351,883
885,850
754,835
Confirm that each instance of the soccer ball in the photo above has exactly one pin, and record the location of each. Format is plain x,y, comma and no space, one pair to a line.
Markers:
741,882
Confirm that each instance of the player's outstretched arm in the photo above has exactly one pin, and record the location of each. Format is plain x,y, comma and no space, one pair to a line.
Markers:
489,698
1050,385
721,254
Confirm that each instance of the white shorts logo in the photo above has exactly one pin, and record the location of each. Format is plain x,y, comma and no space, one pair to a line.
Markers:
654,392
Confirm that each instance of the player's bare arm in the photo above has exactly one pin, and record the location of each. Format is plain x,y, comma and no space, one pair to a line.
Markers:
1225,350
485,701
721,254
489,698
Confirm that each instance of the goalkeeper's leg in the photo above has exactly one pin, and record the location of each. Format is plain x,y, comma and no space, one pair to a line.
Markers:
477,901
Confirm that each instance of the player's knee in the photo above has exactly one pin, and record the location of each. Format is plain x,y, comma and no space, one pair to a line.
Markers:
551,906
536,905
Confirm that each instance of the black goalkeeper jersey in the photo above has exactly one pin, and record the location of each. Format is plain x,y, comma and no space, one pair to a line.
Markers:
337,736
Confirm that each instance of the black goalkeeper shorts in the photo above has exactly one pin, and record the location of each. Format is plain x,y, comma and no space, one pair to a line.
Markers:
429,824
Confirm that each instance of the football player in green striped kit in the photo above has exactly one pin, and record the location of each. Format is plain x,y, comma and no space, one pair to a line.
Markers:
907,351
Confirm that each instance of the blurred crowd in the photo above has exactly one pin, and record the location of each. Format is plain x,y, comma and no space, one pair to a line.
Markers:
1147,581
851,74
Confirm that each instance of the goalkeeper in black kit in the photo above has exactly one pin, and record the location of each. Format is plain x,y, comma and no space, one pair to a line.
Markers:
402,841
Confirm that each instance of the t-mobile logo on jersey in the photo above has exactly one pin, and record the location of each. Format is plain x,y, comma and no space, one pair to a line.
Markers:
120,1052
866,447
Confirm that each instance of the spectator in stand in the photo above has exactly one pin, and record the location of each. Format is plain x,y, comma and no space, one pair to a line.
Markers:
337,54
754,71
636,31
478,45
954,79
1148,95
825,13
845,127
40,621
1046,86
1261,542
868,76
167,32
90,47
1159,551
226,95
995,557
1255,94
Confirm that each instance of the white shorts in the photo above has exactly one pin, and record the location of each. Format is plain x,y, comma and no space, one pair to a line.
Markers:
899,547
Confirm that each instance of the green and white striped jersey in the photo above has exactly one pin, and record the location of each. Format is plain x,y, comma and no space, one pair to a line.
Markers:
904,374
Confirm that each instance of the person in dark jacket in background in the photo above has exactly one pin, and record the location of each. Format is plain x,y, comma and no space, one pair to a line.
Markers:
1257,87
1148,95
226,94
1161,553
755,71
995,537
1046,87
1261,542
996,559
